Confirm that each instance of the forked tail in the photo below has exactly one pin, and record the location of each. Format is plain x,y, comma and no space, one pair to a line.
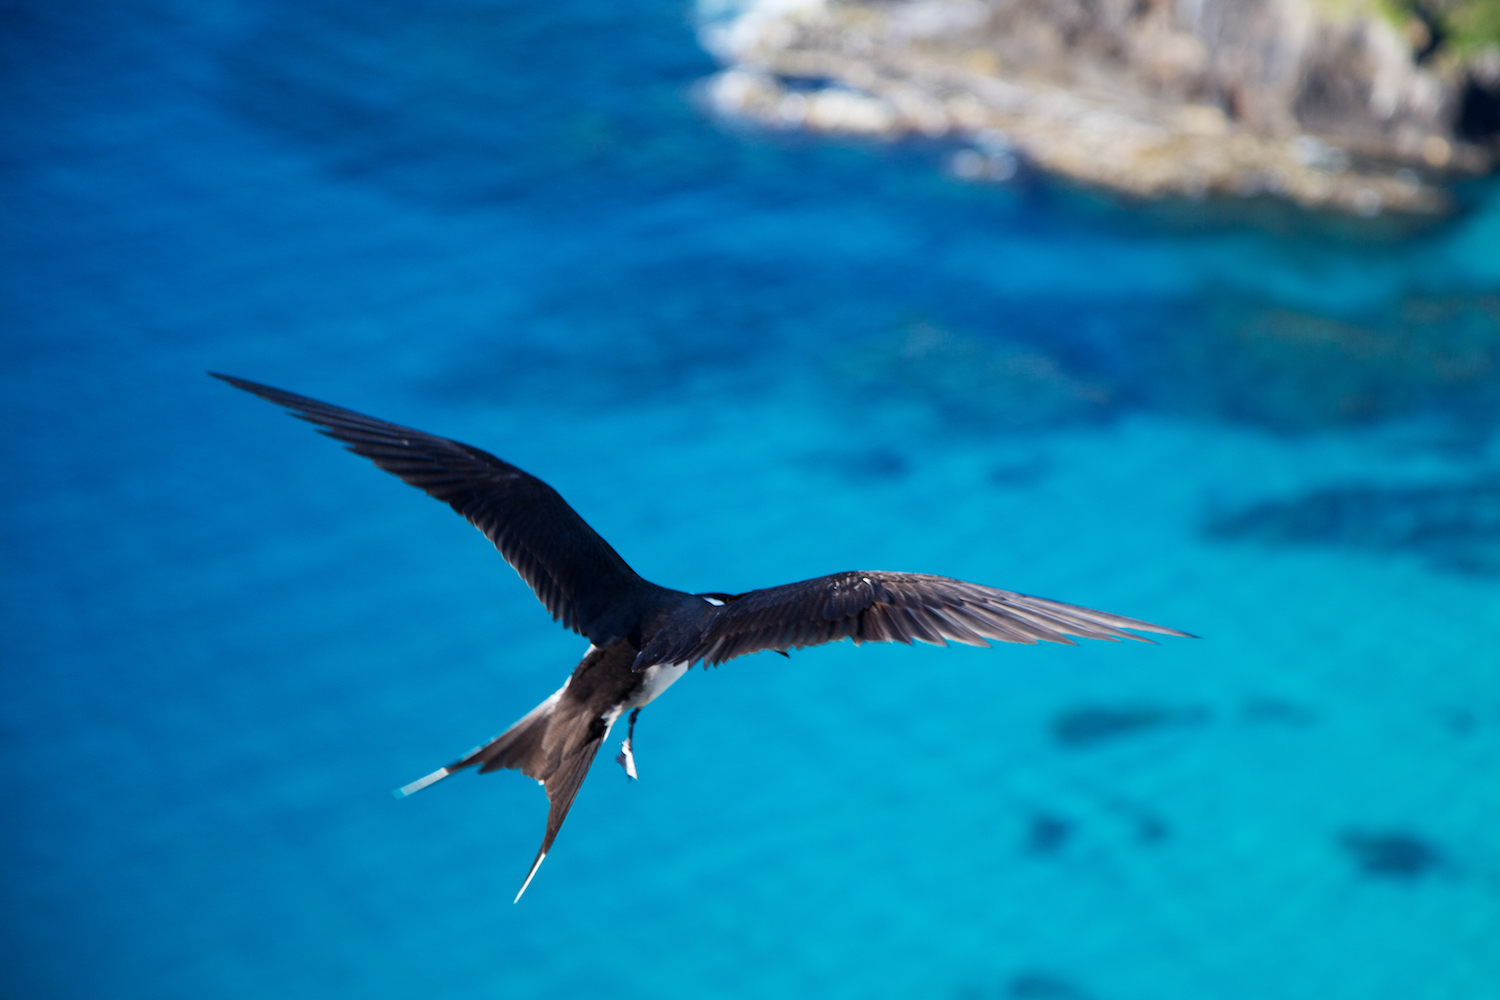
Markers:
554,743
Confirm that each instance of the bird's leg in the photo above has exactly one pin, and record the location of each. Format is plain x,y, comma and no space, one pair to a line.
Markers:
626,758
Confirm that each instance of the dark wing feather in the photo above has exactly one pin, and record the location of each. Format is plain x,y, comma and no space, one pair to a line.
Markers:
574,572
882,607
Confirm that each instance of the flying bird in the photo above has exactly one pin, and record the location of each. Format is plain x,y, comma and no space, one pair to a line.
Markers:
643,637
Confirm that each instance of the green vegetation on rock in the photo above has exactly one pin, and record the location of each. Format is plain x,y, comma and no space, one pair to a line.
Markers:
1472,24
1464,26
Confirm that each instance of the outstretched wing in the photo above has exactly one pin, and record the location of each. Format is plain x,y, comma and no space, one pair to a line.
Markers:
574,572
882,607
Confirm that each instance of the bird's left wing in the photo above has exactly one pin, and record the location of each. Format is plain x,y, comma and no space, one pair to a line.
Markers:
882,607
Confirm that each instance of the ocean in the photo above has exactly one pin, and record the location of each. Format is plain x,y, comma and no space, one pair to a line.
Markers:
746,358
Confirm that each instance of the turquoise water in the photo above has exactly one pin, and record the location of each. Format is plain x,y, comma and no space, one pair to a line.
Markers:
745,359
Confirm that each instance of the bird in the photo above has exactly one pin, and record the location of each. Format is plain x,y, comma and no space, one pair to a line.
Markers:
644,637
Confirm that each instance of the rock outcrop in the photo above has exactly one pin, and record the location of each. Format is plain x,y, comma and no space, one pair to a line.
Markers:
1330,103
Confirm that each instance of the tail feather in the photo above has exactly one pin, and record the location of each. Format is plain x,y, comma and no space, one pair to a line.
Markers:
422,782
555,743
540,857
562,788
520,747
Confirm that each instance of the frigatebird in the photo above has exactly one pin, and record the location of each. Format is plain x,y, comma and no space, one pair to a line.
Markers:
643,637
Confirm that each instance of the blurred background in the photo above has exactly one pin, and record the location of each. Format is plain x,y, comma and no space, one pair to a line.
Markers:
1186,311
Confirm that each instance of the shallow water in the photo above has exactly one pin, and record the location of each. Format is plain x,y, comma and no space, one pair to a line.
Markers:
745,359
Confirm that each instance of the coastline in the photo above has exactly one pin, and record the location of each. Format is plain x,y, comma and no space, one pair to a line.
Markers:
929,69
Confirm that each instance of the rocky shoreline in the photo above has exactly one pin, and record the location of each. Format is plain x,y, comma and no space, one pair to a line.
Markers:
1330,109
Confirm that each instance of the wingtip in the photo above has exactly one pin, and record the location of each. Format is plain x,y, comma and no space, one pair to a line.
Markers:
1163,630
243,384
530,875
421,783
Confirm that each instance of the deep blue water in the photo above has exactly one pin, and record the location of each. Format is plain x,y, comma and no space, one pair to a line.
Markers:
745,359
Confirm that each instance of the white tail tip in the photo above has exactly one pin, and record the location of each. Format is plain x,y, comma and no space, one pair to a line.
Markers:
421,783
529,876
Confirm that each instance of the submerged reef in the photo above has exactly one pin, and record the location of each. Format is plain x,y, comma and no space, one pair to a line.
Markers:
972,380
1046,834
1027,984
1392,854
1043,986
1090,725
1224,356
867,465
1358,106
1277,711
1454,526
1289,370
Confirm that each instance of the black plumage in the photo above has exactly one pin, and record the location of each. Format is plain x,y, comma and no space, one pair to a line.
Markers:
643,636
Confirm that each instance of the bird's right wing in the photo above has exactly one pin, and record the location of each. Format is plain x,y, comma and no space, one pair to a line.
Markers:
574,572
882,607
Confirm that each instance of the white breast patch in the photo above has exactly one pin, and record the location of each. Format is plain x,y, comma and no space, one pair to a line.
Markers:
657,679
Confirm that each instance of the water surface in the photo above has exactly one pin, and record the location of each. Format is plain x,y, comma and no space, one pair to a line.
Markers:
745,359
